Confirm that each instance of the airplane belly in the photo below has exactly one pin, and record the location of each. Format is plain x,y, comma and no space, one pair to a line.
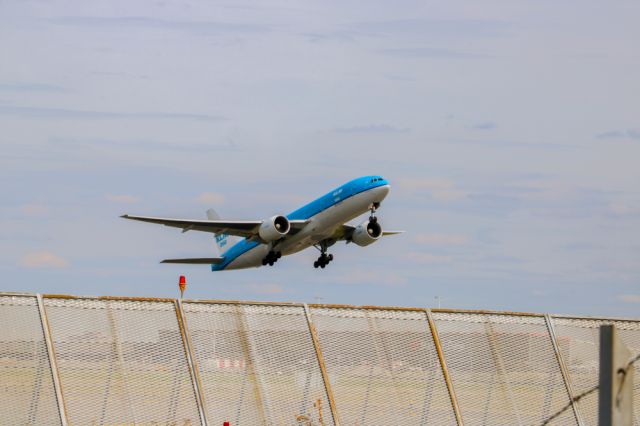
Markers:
250,259
324,224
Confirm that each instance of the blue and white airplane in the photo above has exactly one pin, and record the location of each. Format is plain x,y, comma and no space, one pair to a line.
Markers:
321,223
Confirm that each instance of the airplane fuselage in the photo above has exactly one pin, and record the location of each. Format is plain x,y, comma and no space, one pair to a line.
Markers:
324,215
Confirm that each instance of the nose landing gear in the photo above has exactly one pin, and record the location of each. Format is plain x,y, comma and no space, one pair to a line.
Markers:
372,217
271,258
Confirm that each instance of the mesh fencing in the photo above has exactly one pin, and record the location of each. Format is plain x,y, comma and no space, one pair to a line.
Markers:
383,367
27,396
578,340
121,362
257,364
504,368
147,362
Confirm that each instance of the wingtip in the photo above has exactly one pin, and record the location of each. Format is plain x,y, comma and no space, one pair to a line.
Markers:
125,216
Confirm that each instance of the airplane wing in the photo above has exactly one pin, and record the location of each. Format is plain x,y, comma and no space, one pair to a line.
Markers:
197,261
346,231
385,233
240,228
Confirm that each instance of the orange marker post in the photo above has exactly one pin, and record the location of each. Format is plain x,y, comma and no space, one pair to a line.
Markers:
183,285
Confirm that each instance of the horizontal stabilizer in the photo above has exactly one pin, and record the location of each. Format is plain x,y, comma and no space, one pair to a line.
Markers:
197,260
391,233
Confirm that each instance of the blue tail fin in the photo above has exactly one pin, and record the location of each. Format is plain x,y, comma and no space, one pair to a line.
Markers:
223,241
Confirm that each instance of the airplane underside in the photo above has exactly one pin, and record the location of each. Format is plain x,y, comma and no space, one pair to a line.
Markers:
318,235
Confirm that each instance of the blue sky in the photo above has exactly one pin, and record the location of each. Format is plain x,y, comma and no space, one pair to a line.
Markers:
510,132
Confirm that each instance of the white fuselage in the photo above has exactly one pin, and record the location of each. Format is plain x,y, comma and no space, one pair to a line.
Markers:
320,227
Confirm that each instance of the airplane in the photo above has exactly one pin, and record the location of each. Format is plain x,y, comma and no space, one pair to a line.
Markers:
321,223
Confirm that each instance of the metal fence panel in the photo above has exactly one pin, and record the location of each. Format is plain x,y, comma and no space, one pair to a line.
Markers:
579,340
504,369
121,362
27,395
124,362
383,367
257,364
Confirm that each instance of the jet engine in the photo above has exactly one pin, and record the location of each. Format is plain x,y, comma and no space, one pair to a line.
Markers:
274,228
366,233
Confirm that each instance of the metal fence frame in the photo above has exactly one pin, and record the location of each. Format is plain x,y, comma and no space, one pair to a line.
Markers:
430,326
577,406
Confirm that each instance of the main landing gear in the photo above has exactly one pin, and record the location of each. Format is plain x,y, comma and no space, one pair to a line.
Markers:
324,258
271,258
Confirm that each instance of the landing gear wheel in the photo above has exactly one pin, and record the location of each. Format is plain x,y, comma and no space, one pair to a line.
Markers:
323,260
271,258
373,218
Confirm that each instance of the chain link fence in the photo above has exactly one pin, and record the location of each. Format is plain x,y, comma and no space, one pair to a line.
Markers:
68,360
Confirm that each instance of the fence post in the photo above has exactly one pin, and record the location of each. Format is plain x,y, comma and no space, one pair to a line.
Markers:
323,370
445,370
615,400
62,409
566,378
193,368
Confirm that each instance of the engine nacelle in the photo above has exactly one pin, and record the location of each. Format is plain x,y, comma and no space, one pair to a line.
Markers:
274,228
366,233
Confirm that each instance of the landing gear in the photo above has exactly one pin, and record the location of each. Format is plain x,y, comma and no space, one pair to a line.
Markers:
271,258
372,217
324,258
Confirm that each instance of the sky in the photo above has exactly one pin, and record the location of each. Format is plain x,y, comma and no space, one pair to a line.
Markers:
510,133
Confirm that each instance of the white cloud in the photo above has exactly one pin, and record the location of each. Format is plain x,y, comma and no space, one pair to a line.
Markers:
210,198
122,198
422,257
618,134
630,298
372,128
43,259
34,209
362,276
441,239
623,208
266,288
439,189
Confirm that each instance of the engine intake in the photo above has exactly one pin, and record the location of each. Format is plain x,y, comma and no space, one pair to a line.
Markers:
274,228
366,233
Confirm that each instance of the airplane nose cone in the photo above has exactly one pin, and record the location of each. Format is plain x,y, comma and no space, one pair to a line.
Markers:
382,191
